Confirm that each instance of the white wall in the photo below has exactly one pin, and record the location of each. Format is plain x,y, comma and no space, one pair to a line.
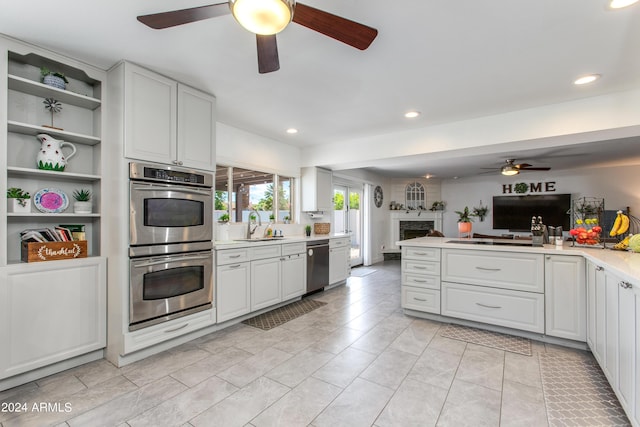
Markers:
617,185
236,147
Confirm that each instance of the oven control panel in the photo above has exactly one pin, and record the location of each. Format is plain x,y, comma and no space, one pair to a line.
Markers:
171,174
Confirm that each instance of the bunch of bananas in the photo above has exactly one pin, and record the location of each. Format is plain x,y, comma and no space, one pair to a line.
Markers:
623,244
620,225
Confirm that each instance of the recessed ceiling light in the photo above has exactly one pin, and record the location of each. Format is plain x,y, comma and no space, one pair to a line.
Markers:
619,4
292,131
589,78
412,114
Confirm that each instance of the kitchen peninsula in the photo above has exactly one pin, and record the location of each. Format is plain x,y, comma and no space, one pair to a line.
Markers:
576,296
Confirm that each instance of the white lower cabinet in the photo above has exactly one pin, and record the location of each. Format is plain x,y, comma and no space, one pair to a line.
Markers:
233,296
265,283
251,279
614,334
565,297
420,299
50,312
294,276
338,260
503,307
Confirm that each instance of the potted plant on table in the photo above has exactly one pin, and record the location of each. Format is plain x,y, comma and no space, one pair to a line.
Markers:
465,217
53,78
17,200
307,230
82,204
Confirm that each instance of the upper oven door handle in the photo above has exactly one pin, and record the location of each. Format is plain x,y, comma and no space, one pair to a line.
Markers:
170,260
172,188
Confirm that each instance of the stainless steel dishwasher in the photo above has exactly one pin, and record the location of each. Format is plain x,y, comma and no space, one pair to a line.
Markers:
317,265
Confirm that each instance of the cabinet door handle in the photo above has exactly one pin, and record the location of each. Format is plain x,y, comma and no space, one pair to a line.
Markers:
488,306
419,281
420,253
234,266
488,269
625,285
599,268
419,299
167,331
235,256
420,267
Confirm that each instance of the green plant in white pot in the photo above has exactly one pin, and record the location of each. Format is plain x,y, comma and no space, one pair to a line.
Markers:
18,200
82,204
53,78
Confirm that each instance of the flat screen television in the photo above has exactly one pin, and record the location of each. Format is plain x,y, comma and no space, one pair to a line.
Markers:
514,213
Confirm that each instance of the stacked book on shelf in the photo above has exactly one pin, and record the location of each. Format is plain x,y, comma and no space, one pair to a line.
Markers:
49,244
61,233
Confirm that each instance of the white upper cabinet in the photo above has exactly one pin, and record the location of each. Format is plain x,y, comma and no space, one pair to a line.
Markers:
317,190
166,121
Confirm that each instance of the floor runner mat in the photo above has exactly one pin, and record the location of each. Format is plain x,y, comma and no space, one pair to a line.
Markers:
277,317
488,339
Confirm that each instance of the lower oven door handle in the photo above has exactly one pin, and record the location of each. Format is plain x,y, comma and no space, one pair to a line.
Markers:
170,260
173,188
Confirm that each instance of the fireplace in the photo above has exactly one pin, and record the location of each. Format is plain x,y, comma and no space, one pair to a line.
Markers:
411,224
413,229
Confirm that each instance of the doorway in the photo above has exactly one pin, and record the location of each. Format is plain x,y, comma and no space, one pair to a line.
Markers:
348,209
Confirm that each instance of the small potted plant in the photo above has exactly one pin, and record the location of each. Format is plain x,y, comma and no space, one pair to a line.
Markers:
480,211
272,218
286,219
307,230
438,205
82,204
17,200
53,78
465,217
224,218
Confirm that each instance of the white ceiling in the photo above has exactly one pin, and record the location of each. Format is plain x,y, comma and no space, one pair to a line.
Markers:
451,60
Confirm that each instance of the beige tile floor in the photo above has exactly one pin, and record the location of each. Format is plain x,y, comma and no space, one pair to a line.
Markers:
357,361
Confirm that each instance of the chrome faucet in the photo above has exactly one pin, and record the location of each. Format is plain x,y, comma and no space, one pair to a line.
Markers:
249,230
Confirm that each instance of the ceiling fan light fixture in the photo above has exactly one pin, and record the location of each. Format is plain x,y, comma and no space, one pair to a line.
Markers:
509,170
264,17
619,4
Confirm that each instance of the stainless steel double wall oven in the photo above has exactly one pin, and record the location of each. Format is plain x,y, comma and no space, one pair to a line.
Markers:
170,247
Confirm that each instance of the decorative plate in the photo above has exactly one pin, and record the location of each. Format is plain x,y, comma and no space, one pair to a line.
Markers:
51,200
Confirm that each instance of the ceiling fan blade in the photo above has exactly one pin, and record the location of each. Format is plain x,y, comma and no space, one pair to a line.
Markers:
163,20
344,30
534,169
267,54
523,165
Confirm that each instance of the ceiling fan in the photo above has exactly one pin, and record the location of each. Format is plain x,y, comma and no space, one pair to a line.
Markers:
266,18
511,169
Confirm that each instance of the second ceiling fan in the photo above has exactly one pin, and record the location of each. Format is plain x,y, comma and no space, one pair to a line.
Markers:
510,168
265,18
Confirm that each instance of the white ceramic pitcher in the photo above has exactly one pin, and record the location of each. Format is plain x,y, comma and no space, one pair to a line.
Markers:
50,155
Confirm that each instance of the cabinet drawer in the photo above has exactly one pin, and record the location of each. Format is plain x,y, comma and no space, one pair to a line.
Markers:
143,338
421,281
294,248
419,299
338,243
518,271
231,256
513,309
421,267
262,252
426,254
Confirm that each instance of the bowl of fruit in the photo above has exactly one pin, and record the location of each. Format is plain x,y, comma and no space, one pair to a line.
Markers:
586,232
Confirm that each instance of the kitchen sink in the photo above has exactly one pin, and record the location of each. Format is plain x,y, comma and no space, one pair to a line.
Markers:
503,242
260,239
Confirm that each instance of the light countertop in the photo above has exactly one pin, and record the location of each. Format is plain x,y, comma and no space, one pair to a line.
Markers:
232,244
625,264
